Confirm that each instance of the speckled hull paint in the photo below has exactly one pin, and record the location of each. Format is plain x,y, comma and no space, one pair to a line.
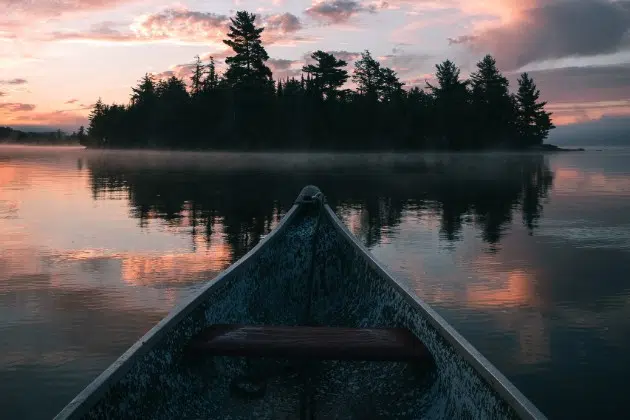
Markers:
307,271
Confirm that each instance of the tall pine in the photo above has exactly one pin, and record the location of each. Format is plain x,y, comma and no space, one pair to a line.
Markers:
492,105
247,66
451,99
196,80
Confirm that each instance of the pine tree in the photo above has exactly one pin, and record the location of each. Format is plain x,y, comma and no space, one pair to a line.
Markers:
533,122
247,66
451,99
391,86
144,93
197,78
492,104
211,80
97,118
327,75
279,92
367,75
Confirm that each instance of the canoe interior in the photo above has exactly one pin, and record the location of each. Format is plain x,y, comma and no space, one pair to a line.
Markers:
273,286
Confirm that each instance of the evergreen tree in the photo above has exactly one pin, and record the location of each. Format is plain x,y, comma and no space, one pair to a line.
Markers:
97,119
247,66
391,87
211,80
197,78
82,136
367,75
144,93
451,106
492,105
533,122
327,75
279,88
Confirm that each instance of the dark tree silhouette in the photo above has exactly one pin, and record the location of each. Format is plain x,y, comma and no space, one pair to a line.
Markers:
452,103
247,66
533,121
197,79
492,105
244,109
328,74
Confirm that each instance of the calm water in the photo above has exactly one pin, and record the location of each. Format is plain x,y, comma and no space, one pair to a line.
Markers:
528,256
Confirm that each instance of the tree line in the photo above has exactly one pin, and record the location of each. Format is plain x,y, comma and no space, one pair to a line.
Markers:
12,136
245,109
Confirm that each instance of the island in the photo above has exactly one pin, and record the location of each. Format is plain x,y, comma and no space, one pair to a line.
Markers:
324,108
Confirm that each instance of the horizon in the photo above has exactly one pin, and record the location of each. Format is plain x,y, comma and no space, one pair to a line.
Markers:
580,69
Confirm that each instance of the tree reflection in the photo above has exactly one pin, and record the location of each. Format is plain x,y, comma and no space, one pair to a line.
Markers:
481,190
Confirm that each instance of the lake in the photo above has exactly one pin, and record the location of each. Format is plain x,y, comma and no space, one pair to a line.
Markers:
526,255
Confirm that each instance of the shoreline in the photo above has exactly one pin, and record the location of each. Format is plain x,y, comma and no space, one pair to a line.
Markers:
545,148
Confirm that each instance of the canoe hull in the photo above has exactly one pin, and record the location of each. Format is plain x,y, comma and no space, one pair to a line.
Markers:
309,270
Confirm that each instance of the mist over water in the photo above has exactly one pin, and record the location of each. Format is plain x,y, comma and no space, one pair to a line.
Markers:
526,255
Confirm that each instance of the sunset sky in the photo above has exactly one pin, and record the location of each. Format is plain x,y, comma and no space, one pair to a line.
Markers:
58,56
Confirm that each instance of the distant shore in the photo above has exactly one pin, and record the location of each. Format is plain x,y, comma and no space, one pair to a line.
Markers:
554,148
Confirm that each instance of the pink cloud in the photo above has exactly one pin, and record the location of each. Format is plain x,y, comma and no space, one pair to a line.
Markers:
16,107
182,24
185,26
13,82
57,7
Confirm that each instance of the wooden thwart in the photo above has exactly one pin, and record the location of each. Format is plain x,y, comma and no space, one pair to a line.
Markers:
386,344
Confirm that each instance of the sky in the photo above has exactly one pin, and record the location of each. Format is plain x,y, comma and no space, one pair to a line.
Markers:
57,57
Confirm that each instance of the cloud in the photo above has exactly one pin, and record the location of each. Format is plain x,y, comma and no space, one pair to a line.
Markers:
338,11
404,63
582,84
464,39
280,63
71,101
284,22
16,107
13,82
283,68
171,25
180,25
2,93
583,93
54,8
555,29
281,29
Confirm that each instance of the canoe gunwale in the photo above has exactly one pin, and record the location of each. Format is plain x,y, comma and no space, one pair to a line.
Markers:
499,383
82,403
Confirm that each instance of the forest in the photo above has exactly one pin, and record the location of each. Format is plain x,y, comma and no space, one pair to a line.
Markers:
246,109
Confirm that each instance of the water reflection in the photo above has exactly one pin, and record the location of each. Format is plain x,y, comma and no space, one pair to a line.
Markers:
483,190
526,255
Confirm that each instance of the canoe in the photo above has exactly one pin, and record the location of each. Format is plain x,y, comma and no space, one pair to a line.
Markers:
306,325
